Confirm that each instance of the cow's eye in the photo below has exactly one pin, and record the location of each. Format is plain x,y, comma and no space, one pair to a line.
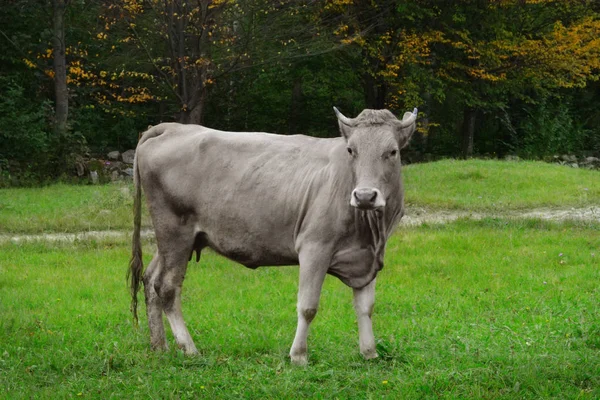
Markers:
350,151
393,153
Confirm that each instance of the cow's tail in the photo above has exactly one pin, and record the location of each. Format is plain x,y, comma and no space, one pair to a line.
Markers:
136,264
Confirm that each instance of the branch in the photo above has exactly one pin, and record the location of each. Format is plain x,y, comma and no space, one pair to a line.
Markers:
160,71
20,50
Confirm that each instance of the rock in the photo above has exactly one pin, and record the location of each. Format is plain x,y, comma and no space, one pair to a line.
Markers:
574,165
511,157
94,177
113,155
568,158
80,167
114,176
94,165
114,165
128,156
591,160
128,171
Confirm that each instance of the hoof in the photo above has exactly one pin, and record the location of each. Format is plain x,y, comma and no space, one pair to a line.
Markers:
192,352
369,354
188,349
299,359
160,346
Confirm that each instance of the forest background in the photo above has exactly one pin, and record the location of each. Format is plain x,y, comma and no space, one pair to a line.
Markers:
492,78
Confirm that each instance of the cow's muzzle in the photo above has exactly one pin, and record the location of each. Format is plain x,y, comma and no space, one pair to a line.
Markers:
367,199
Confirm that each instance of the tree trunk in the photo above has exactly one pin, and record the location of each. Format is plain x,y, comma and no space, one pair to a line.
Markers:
196,114
60,67
375,92
469,120
295,107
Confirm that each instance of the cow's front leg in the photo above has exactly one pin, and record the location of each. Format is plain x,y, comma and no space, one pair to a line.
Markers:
364,299
313,267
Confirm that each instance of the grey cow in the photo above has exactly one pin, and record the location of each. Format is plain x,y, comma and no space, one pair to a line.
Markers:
328,205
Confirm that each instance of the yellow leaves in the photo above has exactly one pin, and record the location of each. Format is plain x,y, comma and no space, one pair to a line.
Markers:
566,57
358,39
29,63
77,72
481,73
102,36
509,3
217,3
341,30
337,5
133,7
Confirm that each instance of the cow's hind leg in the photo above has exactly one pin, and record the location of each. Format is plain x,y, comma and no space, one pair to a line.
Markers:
154,306
168,288
175,242
364,300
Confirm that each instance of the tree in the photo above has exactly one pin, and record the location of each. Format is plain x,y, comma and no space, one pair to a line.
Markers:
479,53
60,66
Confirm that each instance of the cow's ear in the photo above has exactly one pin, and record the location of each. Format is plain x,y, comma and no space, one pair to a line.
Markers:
406,128
346,124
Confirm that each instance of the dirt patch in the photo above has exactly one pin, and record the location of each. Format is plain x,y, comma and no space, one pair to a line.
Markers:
418,216
413,217
73,237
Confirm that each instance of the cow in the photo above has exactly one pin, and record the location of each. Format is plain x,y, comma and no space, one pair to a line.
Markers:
260,199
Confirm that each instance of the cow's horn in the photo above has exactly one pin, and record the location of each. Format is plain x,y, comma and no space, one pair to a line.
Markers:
409,120
342,118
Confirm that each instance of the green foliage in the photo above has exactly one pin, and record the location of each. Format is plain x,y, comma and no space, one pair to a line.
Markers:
529,70
550,129
22,123
24,137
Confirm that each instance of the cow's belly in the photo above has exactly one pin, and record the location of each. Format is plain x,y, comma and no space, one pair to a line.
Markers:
253,251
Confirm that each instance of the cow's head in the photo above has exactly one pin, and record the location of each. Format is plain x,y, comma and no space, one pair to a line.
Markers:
374,140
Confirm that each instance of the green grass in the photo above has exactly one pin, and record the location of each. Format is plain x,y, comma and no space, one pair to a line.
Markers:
487,309
67,208
489,185
497,308
474,185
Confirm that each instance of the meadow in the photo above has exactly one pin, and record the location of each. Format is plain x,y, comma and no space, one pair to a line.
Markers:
495,308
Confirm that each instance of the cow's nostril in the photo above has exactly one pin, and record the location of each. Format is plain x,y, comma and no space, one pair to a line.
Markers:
372,200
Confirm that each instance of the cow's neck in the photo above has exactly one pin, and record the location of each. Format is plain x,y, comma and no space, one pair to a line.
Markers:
371,228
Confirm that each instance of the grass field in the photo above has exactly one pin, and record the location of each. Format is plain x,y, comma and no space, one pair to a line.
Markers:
496,308
488,309
489,185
